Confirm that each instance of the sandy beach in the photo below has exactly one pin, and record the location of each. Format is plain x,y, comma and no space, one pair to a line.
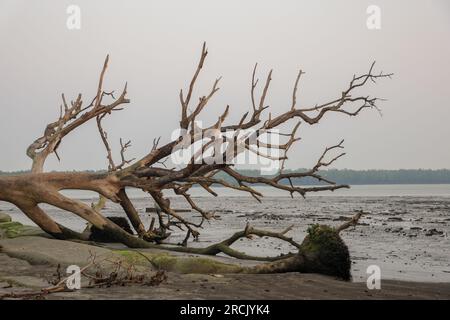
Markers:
405,235
32,272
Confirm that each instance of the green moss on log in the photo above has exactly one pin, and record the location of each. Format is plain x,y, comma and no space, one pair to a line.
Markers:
326,253
16,229
168,262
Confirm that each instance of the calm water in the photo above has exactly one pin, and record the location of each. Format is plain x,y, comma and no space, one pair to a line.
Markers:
423,190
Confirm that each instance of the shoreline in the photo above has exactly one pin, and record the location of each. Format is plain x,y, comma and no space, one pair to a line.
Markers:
405,236
25,269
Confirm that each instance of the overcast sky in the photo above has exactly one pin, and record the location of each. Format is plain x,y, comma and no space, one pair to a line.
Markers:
154,45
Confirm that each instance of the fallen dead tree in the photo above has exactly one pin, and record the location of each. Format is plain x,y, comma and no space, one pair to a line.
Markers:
149,173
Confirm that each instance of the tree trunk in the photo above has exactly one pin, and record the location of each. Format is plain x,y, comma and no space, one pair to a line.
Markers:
322,251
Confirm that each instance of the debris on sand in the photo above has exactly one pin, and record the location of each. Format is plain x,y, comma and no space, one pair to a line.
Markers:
395,219
394,230
342,218
434,232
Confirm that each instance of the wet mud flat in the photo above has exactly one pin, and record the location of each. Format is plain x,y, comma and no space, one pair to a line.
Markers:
18,276
406,236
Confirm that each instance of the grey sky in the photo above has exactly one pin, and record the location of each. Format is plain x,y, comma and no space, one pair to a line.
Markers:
154,45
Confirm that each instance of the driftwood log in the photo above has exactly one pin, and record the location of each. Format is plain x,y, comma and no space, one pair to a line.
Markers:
150,174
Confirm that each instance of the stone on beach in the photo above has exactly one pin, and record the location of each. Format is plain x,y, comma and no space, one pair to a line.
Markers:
4,217
39,250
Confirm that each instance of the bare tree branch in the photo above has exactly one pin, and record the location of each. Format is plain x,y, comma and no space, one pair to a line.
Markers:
219,148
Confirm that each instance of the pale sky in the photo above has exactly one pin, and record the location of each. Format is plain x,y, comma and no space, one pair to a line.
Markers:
155,45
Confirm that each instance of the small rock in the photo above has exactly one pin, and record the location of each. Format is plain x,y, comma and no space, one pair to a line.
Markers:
393,230
395,219
4,217
434,232
342,218
99,235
